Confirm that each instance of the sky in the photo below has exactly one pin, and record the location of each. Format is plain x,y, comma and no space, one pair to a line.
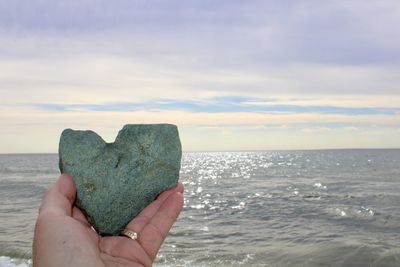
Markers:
233,75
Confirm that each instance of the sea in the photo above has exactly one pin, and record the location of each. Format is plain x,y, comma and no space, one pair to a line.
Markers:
263,208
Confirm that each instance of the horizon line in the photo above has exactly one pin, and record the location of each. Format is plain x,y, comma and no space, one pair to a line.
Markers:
234,150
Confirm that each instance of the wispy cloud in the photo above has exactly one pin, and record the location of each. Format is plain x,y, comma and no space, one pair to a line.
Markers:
220,105
352,129
316,129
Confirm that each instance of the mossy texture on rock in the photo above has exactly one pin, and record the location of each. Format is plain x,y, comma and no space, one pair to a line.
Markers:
115,181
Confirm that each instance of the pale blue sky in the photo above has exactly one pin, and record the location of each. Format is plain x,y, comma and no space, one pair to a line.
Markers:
231,74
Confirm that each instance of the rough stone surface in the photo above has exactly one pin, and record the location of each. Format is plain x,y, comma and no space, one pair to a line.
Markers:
115,181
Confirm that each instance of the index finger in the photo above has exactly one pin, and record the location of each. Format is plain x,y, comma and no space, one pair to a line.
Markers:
156,230
59,199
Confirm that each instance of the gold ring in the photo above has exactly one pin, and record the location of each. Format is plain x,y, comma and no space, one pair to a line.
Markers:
128,233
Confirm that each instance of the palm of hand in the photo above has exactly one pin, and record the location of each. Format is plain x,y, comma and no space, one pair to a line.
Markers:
63,237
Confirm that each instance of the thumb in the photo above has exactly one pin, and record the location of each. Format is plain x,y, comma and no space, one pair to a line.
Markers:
59,199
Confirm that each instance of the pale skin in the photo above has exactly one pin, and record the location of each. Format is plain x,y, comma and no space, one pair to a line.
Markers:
63,236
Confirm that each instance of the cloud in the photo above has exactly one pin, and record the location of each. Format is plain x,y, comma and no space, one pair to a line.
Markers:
344,101
222,32
219,105
352,129
316,130
13,117
112,78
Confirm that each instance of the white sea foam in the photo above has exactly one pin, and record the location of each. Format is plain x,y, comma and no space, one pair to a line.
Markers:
10,262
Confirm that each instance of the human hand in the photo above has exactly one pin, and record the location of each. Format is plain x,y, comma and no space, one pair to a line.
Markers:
63,236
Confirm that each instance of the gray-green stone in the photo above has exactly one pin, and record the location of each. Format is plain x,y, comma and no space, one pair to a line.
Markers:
115,181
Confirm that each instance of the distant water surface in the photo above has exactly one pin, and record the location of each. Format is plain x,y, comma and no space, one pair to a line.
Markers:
274,208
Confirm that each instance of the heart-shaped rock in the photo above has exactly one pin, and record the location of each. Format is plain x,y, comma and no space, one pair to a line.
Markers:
115,181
